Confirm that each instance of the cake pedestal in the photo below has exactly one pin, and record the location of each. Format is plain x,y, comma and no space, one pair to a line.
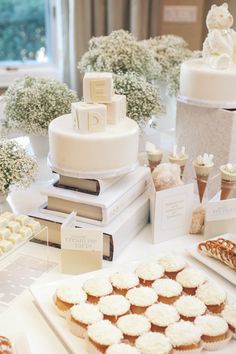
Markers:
205,129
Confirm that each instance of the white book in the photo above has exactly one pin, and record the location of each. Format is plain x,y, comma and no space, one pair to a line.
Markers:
116,235
86,185
102,209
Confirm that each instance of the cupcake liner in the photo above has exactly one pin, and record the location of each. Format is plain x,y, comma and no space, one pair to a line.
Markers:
75,328
211,346
91,349
189,351
61,313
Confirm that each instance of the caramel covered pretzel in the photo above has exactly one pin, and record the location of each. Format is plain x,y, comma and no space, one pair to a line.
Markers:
221,249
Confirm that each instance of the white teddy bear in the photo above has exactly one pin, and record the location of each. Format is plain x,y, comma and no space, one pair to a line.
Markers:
218,48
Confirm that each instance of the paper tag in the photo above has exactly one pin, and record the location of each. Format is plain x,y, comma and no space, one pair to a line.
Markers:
81,248
220,218
171,212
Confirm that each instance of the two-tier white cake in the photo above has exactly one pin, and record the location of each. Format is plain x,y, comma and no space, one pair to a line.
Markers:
97,139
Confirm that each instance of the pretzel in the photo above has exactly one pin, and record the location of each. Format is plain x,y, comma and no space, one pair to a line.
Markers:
221,249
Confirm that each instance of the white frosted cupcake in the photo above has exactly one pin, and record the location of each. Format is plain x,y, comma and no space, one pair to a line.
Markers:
161,316
149,272
22,219
153,343
26,231
13,226
133,326
113,306
215,331
189,307
141,298
213,297
123,281
122,348
81,316
168,290
67,296
172,265
229,314
185,337
190,279
101,335
96,288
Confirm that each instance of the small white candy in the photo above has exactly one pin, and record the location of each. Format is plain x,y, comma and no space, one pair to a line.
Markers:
4,233
22,219
26,231
13,226
5,245
3,222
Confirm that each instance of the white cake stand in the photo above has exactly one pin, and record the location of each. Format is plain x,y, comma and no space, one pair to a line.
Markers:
92,174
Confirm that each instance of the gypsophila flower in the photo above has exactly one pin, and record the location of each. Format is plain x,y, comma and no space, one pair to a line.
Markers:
17,168
170,51
143,99
32,103
119,52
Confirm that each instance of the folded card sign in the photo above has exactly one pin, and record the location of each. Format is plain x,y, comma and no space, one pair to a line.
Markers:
81,248
220,218
171,212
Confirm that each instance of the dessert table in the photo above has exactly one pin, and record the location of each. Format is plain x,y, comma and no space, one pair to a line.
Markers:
22,316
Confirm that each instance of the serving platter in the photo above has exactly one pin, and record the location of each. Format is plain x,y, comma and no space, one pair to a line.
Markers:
214,264
43,296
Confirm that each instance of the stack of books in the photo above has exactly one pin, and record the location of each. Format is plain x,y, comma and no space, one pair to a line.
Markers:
118,206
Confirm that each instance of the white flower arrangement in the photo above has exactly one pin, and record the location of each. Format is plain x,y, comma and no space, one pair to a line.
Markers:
32,103
143,99
119,52
170,51
17,168
132,64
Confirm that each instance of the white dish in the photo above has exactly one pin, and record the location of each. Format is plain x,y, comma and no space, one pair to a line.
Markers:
43,295
219,267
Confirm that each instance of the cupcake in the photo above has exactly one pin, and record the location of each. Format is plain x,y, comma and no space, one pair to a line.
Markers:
184,337
141,298
67,296
101,335
229,314
13,226
190,279
22,219
96,288
122,348
153,343
161,316
215,331
213,297
123,281
168,290
133,326
81,316
113,306
172,265
189,307
149,272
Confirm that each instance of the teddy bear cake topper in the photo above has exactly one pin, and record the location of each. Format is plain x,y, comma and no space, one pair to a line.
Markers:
219,47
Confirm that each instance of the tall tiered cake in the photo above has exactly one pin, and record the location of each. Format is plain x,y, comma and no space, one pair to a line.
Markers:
206,118
95,152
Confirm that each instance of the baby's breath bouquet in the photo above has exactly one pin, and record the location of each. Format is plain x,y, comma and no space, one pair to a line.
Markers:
170,51
132,65
143,99
17,167
32,103
119,52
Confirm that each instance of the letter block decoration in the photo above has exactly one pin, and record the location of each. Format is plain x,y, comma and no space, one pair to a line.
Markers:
116,110
89,117
98,87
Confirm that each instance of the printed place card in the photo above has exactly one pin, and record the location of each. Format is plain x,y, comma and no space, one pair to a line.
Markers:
220,218
171,212
81,248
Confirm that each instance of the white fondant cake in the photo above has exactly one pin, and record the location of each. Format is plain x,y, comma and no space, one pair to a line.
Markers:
211,80
200,82
112,151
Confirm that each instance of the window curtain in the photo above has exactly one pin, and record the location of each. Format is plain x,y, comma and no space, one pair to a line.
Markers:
79,20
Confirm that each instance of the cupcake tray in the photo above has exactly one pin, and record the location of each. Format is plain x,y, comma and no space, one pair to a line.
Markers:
214,264
43,296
